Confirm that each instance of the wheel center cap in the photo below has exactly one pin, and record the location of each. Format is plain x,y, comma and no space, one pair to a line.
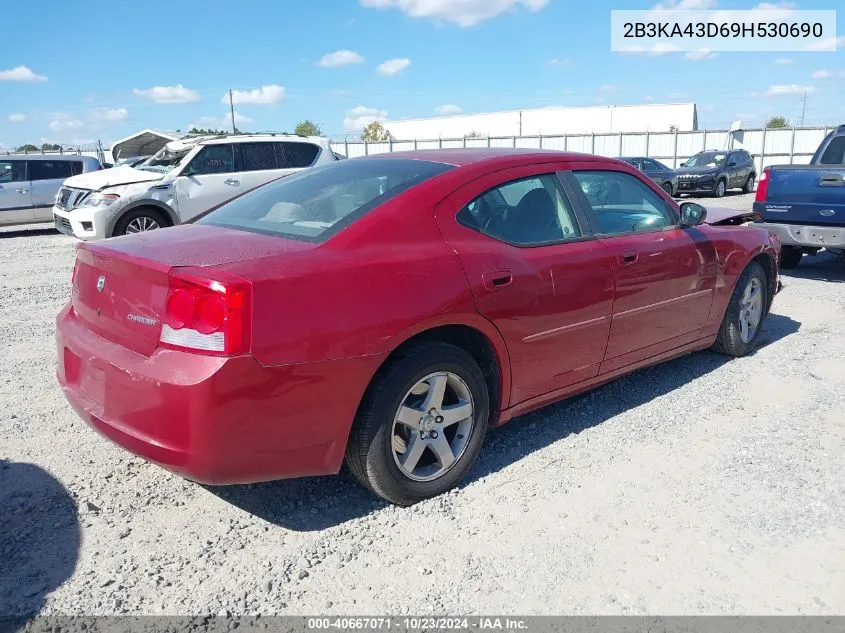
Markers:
427,422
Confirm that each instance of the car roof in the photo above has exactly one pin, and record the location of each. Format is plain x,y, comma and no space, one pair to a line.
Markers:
189,142
48,157
460,157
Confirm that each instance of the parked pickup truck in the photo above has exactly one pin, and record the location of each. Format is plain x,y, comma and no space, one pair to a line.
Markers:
805,204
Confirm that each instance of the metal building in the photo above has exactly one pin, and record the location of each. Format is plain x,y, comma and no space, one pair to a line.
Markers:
682,117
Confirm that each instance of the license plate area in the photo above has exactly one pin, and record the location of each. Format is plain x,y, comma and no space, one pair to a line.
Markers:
821,237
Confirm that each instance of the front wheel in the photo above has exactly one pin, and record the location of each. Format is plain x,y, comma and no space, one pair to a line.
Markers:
421,424
743,320
720,189
140,220
667,187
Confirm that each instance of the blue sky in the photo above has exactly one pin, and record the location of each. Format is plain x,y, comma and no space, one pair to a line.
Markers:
121,67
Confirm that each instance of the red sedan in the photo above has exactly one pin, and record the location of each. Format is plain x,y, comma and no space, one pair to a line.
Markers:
388,310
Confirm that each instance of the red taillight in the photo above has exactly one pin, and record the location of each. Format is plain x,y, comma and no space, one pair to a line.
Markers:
763,186
205,314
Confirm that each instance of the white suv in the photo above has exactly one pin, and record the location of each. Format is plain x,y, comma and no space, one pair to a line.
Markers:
185,178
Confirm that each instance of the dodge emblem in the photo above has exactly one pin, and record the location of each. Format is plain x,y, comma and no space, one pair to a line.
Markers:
101,283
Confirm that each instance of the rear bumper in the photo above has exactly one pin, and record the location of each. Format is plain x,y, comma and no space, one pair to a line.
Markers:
209,419
806,235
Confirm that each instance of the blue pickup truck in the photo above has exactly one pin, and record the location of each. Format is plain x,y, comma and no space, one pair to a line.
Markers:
805,204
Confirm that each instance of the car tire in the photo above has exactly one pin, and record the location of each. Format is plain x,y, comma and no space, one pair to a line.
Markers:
380,445
667,187
749,184
139,220
750,296
790,256
721,189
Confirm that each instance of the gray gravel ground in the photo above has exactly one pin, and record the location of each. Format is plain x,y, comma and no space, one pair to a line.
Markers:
699,486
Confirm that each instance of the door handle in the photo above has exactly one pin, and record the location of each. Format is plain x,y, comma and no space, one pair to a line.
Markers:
232,181
834,180
22,190
627,257
496,279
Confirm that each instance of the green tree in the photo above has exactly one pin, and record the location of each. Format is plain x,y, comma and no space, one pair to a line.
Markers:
29,147
777,123
375,131
48,147
308,128
206,131
475,134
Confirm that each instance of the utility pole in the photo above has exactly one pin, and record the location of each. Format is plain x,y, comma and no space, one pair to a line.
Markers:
520,122
803,109
232,108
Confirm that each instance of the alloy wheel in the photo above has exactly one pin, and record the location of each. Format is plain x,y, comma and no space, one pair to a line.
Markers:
750,310
140,224
432,428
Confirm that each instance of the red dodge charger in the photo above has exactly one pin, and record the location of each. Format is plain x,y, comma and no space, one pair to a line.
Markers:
387,310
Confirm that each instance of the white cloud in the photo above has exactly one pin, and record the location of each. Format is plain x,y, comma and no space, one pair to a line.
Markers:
17,118
648,98
118,115
700,54
678,96
63,122
224,122
360,117
464,13
447,109
393,66
168,94
340,58
684,5
20,73
827,44
559,61
608,89
822,74
660,48
780,90
265,95
784,61
772,6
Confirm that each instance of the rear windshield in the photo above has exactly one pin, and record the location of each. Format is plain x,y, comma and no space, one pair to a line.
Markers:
316,203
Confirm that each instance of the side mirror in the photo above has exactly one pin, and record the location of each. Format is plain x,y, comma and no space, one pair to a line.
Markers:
682,164
692,214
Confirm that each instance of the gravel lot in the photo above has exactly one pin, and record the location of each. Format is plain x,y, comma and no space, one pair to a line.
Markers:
699,486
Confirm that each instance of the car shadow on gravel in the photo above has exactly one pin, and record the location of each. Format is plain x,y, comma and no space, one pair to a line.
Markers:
824,267
39,540
317,503
27,233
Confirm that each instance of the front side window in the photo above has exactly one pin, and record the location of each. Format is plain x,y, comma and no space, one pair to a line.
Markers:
523,212
622,203
295,155
652,165
49,169
314,204
12,171
212,159
75,167
258,156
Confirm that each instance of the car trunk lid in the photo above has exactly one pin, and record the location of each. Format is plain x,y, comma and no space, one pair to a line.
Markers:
805,194
120,285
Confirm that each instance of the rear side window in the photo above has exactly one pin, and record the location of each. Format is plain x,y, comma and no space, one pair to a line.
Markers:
12,171
292,155
75,167
212,159
50,169
524,212
258,156
314,204
652,165
834,154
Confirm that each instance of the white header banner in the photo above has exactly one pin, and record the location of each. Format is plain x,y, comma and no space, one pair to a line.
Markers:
658,31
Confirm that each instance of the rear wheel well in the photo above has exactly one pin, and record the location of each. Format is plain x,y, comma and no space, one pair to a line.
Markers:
767,262
474,343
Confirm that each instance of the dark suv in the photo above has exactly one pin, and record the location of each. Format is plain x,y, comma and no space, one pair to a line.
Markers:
714,172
